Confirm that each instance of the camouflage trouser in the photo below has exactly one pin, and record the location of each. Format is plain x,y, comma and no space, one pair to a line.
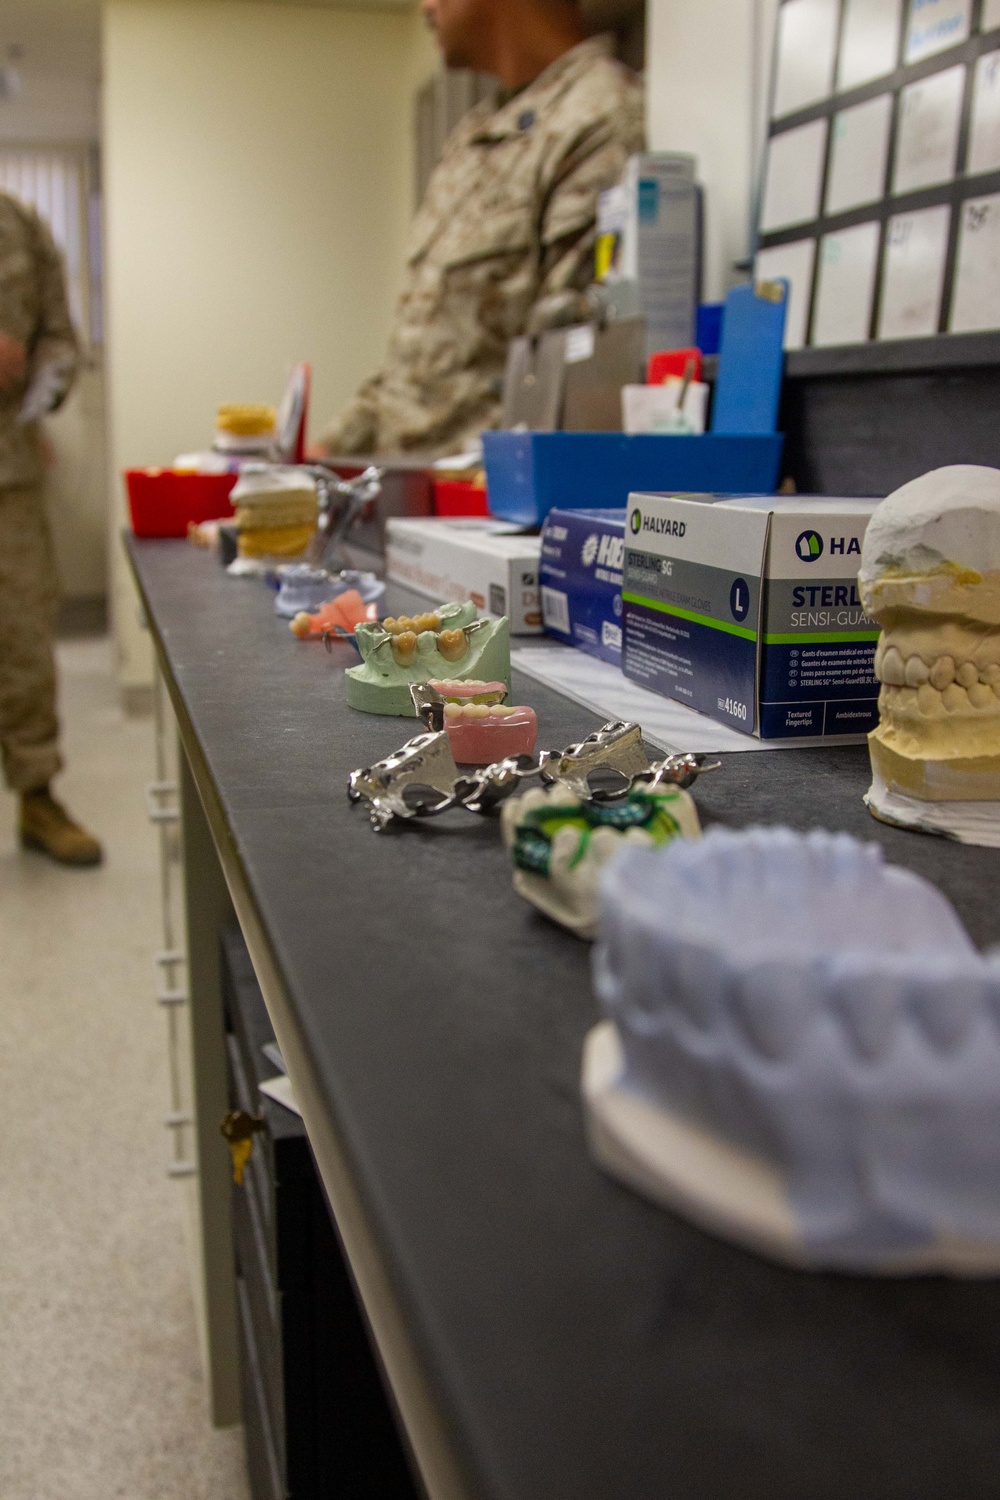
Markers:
29,600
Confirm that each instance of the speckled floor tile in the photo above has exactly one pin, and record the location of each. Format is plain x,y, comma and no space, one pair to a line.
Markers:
101,1391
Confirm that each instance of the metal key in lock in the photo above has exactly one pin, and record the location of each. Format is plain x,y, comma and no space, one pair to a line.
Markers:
238,1129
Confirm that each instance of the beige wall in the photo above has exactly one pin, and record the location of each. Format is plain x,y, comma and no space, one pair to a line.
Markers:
707,67
258,175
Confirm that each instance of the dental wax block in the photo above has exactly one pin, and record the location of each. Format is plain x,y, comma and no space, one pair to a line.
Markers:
481,733
804,1052
580,576
748,609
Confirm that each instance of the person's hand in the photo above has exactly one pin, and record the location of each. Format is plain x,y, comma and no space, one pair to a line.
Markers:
13,361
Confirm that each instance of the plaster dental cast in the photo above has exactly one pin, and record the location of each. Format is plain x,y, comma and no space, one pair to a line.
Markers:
447,643
801,1052
930,576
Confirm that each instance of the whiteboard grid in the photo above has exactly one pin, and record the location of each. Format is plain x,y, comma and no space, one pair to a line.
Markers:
943,35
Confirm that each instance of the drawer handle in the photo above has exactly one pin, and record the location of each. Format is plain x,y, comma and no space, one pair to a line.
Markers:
238,1130
182,1169
178,1118
156,792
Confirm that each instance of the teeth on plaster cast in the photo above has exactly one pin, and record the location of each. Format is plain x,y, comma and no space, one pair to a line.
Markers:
955,698
981,696
943,673
916,671
802,1002
893,667
967,674
452,644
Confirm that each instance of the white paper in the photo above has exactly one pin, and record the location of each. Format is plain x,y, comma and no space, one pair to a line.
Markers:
934,25
858,152
991,14
794,176
870,42
668,725
845,286
975,304
807,42
794,262
579,344
984,135
929,117
280,1090
653,408
915,249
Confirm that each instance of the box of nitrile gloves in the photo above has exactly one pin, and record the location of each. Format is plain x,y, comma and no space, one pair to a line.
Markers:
580,578
748,610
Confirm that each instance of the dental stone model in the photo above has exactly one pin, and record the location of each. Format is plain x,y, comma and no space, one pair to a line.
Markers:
930,576
448,643
802,1052
560,843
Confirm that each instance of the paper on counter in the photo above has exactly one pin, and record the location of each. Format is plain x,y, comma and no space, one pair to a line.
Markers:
280,1090
966,822
668,725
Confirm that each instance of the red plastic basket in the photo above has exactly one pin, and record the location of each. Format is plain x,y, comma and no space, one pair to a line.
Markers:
164,503
459,497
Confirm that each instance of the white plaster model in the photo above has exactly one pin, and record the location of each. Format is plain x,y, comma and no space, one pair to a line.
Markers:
930,576
802,1052
560,843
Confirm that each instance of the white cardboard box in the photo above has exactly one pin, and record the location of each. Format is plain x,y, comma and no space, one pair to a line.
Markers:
488,562
748,610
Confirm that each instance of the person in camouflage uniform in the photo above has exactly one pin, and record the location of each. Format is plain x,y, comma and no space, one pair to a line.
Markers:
38,361
504,241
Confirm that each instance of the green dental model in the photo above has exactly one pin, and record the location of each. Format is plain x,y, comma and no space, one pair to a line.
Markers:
449,642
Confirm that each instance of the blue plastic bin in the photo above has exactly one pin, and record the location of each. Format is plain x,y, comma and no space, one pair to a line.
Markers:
528,473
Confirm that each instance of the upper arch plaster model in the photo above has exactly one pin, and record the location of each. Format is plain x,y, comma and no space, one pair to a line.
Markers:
930,576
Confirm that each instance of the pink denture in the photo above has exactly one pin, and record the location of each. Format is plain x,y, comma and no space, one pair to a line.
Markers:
469,690
479,734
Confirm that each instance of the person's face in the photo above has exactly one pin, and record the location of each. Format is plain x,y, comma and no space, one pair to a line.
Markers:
459,26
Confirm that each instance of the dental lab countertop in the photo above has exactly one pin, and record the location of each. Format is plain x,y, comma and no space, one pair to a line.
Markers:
561,1338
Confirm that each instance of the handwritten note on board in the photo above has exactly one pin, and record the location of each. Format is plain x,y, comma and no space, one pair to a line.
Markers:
912,281
870,41
858,154
975,303
934,25
846,285
984,132
807,43
795,263
929,118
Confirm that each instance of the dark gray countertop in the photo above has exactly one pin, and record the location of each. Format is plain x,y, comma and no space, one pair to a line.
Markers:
579,1343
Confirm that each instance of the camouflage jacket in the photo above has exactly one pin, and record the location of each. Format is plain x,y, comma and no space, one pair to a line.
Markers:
33,310
505,232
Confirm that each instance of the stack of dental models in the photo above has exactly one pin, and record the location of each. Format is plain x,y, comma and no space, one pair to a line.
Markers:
930,576
802,1052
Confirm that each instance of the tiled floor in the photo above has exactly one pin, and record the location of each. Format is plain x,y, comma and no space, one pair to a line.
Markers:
101,1392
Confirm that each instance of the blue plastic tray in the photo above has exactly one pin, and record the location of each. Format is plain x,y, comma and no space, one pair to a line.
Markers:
528,473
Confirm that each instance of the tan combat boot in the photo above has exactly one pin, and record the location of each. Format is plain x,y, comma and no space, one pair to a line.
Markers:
48,827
